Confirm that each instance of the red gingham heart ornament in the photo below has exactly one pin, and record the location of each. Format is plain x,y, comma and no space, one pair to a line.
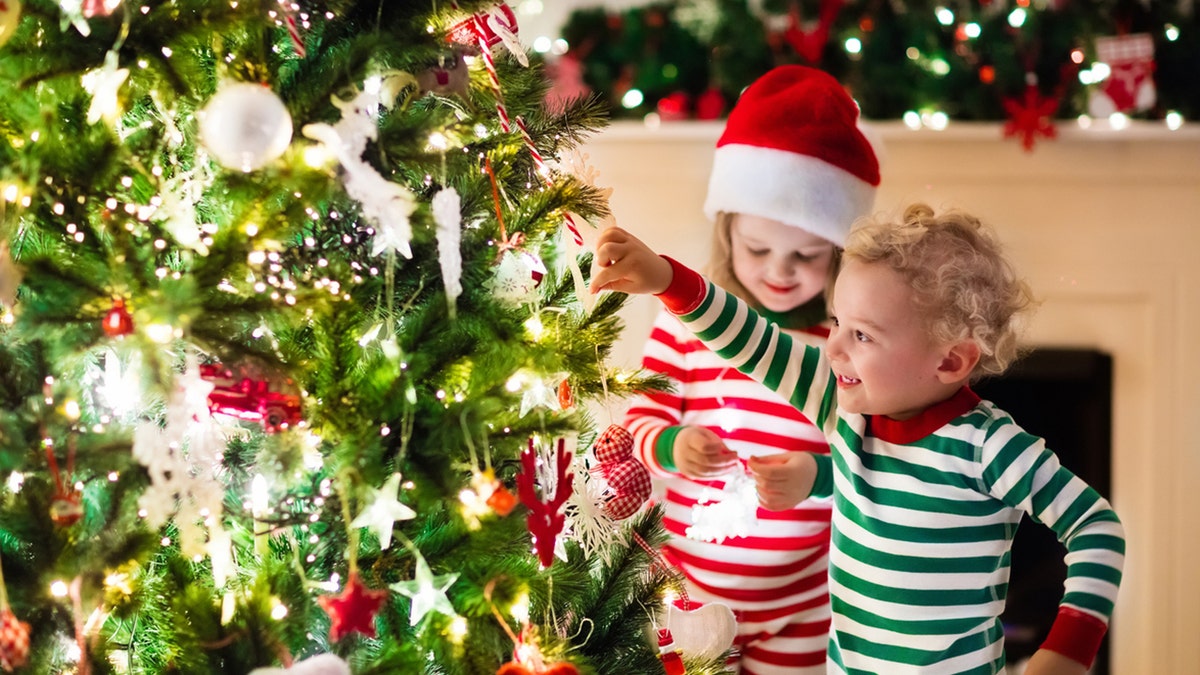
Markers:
628,480
14,641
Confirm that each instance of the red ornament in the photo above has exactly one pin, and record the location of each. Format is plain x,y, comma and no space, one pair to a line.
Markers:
479,26
501,500
566,398
560,668
1030,116
14,641
810,44
250,399
671,660
546,518
65,509
1130,85
628,480
118,322
710,105
673,107
354,610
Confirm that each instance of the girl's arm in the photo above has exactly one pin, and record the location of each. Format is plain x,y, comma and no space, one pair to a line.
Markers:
661,442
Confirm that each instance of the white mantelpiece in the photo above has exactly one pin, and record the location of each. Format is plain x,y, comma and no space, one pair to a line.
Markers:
1105,225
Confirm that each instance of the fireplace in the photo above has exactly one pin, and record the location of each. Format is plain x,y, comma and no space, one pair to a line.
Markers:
1064,396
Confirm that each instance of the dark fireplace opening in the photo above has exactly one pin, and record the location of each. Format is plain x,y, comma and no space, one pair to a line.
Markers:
1064,396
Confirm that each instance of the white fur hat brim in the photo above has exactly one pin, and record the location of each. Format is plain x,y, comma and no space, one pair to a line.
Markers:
799,190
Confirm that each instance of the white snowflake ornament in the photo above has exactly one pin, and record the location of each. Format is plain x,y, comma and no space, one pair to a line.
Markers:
517,277
729,512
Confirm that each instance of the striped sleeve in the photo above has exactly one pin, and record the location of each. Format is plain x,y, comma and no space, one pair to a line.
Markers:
753,344
653,417
1019,470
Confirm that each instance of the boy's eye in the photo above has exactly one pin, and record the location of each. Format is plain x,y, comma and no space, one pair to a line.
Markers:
758,253
861,336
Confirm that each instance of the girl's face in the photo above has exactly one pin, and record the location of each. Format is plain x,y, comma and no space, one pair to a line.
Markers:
782,266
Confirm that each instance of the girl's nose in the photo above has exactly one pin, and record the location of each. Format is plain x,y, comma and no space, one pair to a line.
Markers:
779,267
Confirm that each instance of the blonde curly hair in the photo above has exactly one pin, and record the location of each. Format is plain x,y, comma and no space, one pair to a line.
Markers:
962,282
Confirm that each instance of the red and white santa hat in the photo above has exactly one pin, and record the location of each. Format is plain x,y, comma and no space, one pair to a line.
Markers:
792,152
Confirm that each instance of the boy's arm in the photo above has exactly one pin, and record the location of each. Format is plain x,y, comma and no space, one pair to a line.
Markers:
1020,471
752,344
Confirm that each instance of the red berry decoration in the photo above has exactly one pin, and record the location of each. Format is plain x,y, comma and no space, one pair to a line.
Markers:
14,641
118,322
628,480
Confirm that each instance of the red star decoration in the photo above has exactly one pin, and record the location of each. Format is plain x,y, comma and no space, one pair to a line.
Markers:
1030,116
354,610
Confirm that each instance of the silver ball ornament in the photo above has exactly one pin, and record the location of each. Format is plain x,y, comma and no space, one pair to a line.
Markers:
245,126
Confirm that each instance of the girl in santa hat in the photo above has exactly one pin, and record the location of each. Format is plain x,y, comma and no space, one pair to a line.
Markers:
790,174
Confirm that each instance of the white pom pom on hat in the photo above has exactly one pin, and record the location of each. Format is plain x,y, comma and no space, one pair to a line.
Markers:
792,151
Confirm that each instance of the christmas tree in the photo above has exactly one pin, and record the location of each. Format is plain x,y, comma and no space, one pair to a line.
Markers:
296,350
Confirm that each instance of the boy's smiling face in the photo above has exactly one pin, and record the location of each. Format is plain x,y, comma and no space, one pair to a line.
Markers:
880,350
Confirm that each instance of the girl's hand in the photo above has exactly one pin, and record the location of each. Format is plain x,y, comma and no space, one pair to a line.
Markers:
1046,662
628,266
783,480
700,453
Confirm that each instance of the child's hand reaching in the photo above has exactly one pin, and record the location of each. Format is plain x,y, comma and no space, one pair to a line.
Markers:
783,480
700,453
628,266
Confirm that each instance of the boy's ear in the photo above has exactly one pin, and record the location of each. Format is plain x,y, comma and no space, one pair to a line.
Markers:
958,361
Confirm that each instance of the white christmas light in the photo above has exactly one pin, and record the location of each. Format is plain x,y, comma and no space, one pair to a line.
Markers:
1016,18
632,98
853,45
1174,120
944,16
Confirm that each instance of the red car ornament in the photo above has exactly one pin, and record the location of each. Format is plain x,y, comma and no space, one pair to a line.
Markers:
249,399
